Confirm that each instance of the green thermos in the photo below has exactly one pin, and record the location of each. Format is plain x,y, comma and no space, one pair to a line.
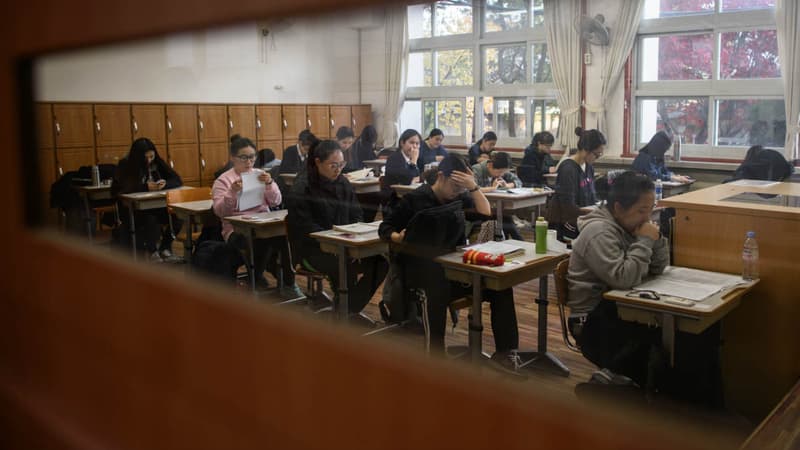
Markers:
541,235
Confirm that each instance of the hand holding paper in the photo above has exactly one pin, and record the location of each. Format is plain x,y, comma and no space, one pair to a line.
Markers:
252,193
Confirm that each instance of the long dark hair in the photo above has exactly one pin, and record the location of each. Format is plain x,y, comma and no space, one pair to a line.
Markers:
321,150
589,140
542,137
134,168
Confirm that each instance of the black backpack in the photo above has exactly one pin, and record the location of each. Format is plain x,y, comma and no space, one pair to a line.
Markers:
218,259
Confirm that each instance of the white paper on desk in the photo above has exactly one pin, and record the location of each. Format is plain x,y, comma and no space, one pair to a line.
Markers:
252,193
760,183
688,283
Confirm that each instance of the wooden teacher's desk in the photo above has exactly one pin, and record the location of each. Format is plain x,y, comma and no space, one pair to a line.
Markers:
761,355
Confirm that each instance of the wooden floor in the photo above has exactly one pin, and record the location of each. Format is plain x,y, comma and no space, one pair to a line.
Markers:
734,428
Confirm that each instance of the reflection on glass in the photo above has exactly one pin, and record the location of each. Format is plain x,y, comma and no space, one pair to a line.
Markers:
419,21
538,13
677,57
510,118
449,117
541,65
453,17
505,65
545,116
505,15
654,9
751,122
740,5
420,69
488,114
454,67
749,54
470,110
684,116
428,116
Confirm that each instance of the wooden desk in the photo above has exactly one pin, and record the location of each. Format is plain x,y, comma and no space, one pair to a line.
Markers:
141,201
188,211
365,185
260,226
288,178
376,165
500,200
672,188
519,270
691,319
347,246
761,356
89,194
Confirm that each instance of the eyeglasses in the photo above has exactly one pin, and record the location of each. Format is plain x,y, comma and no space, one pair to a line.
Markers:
597,155
245,158
336,165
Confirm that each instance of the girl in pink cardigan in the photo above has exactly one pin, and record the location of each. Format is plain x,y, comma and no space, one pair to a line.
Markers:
225,193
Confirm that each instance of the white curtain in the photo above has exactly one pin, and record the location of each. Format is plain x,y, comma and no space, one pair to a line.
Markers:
564,48
623,36
787,15
396,63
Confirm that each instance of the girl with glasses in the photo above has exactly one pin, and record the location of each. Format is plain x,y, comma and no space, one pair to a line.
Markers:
575,194
321,198
225,194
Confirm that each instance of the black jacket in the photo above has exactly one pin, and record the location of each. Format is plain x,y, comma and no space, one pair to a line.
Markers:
413,202
534,166
318,207
130,179
291,162
764,164
574,190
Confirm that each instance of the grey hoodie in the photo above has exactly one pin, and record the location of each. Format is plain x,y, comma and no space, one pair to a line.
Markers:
605,256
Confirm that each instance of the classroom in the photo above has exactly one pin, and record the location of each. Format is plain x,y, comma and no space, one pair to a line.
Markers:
362,224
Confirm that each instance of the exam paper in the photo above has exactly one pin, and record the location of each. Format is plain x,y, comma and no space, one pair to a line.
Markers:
688,283
252,193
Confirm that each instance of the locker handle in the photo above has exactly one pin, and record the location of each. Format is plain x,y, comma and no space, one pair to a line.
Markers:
258,123
201,125
169,126
203,163
60,171
97,126
333,124
58,129
354,123
230,124
285,124
135,126
172,163
308,122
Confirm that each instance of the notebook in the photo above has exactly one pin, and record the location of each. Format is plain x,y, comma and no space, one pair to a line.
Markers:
356,228
498,248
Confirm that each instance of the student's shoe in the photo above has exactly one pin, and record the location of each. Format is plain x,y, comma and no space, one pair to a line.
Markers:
168,256
521,223
155,257
605,376
507,362
291,292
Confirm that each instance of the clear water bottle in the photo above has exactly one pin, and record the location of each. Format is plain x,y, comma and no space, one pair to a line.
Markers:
750,257
95,175
659,189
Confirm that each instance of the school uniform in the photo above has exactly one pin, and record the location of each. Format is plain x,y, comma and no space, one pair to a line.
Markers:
484,178
293,161
535,165
574,190
475,152
441,292
399,170
428,155
319,205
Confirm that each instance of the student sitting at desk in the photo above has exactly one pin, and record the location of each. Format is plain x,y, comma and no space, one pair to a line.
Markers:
431,149
481,150
363,148
537,160
226,193
454,182
650,160
321,198
493,174
143,170
401,167
294,157
575,184
345,139
617,248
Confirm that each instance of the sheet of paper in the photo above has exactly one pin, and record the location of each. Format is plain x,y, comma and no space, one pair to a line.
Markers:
688,283
252,193
762,183
496,248
356,228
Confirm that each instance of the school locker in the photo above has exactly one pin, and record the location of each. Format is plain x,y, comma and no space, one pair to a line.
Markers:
212,123
340,117
74,126
149,121
269,123
242,121
112,125
294,121
319,121
362,116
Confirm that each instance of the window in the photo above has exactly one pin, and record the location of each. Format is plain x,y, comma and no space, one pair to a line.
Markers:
709,72
492,52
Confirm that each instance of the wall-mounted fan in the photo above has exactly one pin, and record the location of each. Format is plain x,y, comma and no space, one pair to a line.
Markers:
594,31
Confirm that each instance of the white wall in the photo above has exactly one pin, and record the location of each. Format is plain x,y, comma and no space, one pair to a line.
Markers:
313,60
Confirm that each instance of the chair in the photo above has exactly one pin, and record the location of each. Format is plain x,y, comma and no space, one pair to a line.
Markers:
560,276
186,195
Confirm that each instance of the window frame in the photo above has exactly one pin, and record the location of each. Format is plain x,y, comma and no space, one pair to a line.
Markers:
714,89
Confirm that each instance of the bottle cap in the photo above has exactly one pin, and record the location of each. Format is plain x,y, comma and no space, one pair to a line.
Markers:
751,234
540,218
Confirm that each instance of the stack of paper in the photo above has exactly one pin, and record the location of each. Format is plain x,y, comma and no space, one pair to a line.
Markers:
357,228
498,248
688,283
